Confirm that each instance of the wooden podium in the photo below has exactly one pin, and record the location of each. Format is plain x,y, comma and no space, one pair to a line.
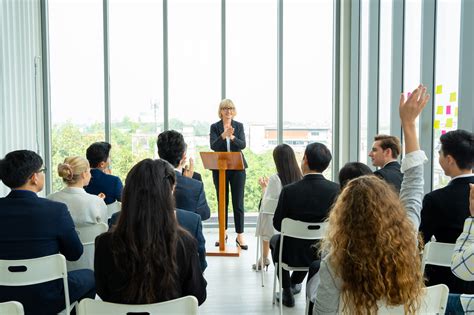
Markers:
223,161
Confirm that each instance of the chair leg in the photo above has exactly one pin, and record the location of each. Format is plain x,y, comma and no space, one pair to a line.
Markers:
261,260
280,275
274,283
257,253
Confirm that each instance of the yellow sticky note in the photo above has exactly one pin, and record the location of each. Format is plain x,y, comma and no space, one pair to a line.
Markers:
449,123
436,124
455,112
452,97
439,89
439,110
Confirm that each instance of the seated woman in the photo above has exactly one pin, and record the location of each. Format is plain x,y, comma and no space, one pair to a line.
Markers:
288,171
371,250
146,257
84,208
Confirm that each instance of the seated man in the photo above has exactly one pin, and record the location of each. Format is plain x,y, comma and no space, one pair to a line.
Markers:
102,182
462,263
444,210
384,154
189,193
308,200
32,227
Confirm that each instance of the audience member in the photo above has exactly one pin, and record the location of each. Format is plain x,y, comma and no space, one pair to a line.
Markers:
352,170
371,252
32,227
307,200
384,154
444,210
102,181
462,263
84,208
189,193
288,172
147,257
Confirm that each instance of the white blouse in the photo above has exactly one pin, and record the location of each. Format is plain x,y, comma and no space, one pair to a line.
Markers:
271,195
84,208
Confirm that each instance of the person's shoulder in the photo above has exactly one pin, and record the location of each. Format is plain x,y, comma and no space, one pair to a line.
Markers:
237,123
184,215
103,239
189,182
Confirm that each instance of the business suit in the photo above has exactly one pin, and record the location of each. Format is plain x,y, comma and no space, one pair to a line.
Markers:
32,227
189,194
391,174
189,221
236,179
443,214
308,200
108,184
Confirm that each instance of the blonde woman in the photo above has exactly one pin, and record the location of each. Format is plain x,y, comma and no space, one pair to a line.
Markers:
84,208
371,252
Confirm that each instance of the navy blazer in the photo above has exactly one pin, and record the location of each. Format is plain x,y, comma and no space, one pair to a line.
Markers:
108,184
191,222
220,145
443,214
189,194
308,200
391,174
32,227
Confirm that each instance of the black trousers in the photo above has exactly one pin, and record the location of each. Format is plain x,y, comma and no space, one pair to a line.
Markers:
296,276
236,180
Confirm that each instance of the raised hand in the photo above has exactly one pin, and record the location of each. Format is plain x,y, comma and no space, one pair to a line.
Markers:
412,107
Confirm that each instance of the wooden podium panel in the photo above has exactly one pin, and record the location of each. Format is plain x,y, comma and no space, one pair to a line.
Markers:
222,161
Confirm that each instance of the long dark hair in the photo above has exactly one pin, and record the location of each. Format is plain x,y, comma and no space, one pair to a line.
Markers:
145,240
287,167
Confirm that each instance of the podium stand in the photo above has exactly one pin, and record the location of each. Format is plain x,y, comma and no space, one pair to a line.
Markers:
223,161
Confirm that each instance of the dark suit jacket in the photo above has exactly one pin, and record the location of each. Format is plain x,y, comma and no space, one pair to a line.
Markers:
32,227
108,184
308,200
391,174
189,221
189,194
443,214
220,145
196,176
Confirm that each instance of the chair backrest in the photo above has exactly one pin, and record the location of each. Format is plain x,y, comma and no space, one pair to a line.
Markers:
11,308
433,302
438,254
303,230
87,235
33,271
185,305
113,207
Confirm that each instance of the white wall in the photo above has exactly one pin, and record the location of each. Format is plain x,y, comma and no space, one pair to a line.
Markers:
21,110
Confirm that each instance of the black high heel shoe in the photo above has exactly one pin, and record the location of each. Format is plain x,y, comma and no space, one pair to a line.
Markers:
244,247
217,243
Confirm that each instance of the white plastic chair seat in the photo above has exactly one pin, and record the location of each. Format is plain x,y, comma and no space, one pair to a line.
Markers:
87,235
11,308
436,253
185,305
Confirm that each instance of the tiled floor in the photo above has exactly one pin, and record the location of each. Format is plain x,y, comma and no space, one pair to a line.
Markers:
234,288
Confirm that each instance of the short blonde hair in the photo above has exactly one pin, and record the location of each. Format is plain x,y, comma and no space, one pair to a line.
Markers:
226,103
72,168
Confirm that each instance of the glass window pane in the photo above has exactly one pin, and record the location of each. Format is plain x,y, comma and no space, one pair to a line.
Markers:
364,144
385,66
136,80
307,74
446,78
251,83
77,80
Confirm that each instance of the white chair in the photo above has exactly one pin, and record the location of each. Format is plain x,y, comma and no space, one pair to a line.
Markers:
87,235
438,254
265,207
34,271
295,229
113,207
433,302
185,305
11,308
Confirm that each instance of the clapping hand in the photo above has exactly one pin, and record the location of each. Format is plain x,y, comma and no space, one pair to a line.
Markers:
228,133
263,182
189,170
101,195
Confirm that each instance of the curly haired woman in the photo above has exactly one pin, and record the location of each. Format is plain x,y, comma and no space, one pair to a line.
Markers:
371,248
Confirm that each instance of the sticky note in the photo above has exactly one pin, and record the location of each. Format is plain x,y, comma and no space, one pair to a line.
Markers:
439,110
439,89
443,132
436,124
449,123
452,97
455,112
448,110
